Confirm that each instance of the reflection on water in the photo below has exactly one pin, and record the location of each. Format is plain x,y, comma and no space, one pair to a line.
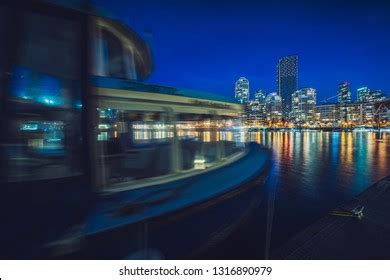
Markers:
316,171
312,173
346,162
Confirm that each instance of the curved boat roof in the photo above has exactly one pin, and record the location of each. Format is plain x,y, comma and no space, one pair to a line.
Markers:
145,67
85,6
143,51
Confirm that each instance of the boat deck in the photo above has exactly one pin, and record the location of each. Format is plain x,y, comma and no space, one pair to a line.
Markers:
347,237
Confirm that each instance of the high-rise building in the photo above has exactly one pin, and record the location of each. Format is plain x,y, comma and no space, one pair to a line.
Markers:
253,113
365,105
303,105
242,90
356,113
287,81
344,94
344,98
260,97
363,94
377,95
273,107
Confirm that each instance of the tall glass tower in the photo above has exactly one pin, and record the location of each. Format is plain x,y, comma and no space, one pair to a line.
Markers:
287,81
260,97
344,98
363,94
242,90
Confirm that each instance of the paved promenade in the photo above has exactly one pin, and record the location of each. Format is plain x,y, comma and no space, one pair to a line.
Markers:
340,236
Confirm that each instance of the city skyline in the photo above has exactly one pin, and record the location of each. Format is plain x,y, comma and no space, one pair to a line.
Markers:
354,95
293,106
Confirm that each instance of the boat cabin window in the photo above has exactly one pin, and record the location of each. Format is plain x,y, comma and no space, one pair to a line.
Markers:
205,139
135,144
115,54
140,146
42,136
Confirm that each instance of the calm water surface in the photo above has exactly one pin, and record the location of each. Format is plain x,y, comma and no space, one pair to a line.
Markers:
312,173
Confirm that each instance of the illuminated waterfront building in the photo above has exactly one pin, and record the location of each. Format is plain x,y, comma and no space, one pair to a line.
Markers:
287,72
355,113
253,113
363,94
260,97
377,95
273,107
242,90
303,104
255,110
367,99
344,94
344,98
327,113
366,105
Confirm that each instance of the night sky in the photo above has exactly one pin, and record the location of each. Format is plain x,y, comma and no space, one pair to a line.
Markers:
208,45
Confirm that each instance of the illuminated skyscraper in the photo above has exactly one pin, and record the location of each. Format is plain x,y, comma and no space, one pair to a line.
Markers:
274,107
260,97
363,94
253,113
377,95
344,98
303,105
242,90
287,81
366,106
344,94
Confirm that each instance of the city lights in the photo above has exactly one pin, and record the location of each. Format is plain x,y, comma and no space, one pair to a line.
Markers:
290,107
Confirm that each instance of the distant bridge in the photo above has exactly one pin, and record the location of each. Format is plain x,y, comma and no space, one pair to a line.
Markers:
382,109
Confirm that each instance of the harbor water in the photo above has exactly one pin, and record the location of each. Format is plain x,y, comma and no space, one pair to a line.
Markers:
313,172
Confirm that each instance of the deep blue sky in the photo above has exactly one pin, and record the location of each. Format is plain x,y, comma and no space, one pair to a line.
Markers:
208,45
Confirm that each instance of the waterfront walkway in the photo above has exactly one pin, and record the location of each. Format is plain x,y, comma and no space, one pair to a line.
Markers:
339,236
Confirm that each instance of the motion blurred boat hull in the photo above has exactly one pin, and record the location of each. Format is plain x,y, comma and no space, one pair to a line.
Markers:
176,223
